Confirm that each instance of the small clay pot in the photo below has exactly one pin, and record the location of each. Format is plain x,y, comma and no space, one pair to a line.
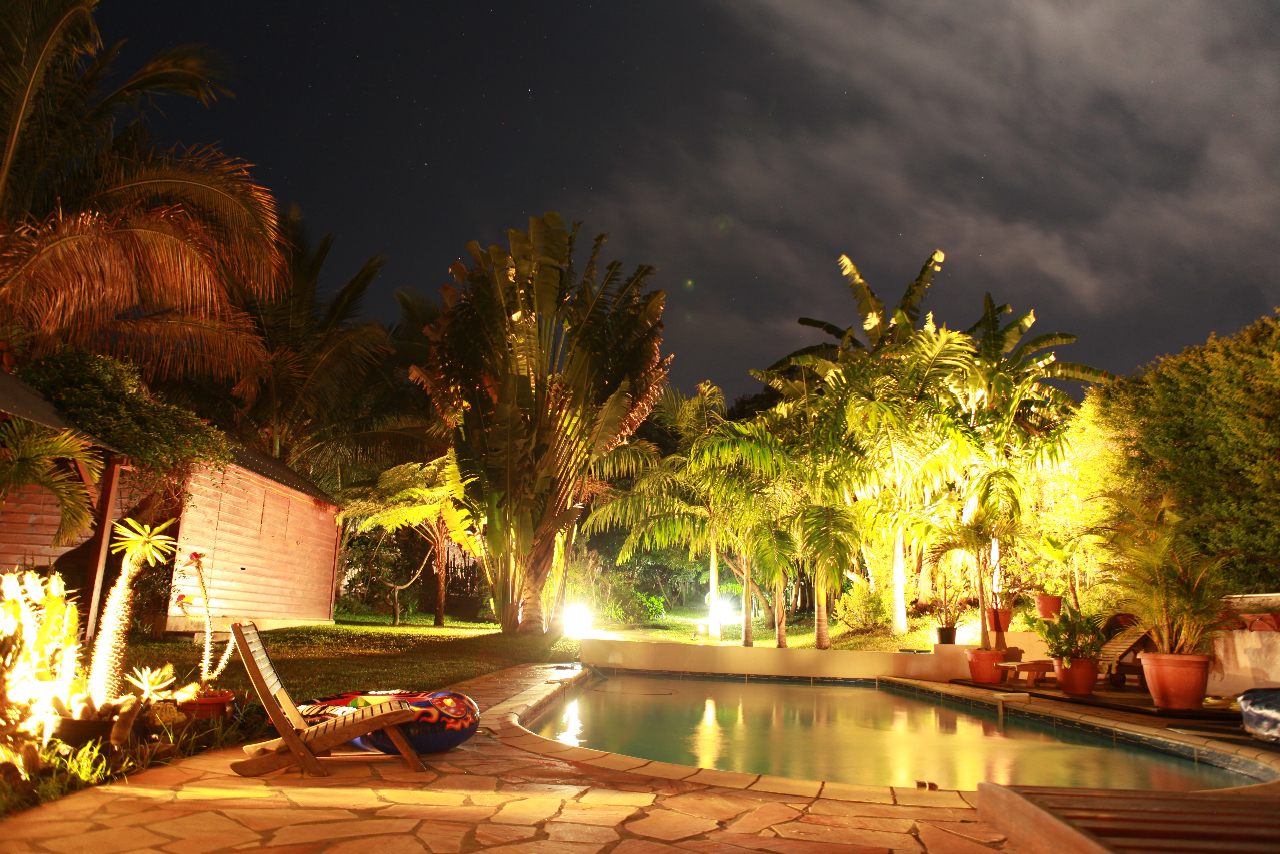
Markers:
1078,679
212,705
946,634
1176,681
1048,607
982,665
998,619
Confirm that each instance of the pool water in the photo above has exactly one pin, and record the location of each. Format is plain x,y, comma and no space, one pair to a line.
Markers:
853,734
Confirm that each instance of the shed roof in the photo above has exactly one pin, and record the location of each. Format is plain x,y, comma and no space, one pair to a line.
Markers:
21,400
269,467
18,398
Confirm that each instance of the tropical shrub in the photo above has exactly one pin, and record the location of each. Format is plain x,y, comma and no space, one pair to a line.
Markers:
626,604
862,608
107,399
40,627
1071,635
32,455
1164,579
1203,425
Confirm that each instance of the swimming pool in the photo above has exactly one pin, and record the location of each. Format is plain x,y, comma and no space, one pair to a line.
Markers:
853,734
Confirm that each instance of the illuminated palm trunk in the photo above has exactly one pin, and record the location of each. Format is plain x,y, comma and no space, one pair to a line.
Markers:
747,638
780,613
899,586
822,631
713,621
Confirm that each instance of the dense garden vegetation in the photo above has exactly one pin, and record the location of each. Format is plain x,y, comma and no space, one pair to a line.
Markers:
516,449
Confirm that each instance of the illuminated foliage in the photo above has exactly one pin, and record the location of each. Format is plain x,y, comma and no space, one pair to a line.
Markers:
543,373
106,242
1205,425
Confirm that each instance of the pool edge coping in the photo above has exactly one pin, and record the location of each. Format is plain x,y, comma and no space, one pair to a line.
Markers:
508,727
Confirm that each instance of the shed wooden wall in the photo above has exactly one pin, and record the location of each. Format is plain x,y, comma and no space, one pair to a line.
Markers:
270,551
27,525
28,521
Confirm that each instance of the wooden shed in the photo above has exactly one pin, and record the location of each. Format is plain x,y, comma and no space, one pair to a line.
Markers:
269,537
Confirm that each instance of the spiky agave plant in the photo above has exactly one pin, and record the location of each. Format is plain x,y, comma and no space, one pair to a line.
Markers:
141,544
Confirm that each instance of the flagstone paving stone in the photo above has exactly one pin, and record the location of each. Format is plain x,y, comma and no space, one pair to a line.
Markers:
494,794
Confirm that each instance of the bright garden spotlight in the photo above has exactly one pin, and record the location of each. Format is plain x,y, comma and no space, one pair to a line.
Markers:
577,620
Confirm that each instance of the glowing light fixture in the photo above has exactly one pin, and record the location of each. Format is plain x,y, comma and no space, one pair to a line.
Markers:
577,620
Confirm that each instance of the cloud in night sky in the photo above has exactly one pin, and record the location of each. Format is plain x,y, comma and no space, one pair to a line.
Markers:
1113,166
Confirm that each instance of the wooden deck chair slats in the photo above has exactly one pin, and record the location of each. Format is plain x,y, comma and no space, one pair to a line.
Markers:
1111,659
299,743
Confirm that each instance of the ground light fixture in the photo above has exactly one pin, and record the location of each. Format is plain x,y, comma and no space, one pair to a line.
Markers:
577,620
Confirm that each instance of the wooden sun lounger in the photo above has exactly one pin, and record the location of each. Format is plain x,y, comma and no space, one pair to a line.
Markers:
1045,820
1110,661
299,743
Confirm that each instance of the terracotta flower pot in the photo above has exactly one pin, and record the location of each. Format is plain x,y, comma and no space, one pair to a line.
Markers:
1048,607
982,665
212,705
1078,679
1176,681
998,619
946,634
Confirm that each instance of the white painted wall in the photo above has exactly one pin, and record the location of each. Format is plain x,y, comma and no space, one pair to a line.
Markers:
945,663
1244,660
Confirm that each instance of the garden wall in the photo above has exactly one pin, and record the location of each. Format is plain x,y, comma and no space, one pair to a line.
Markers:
945,663
1244,660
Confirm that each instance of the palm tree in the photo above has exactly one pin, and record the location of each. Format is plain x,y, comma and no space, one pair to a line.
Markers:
542,374
107,243
1016,422
29,455
889,398
881,326
685,499
884,434
421,497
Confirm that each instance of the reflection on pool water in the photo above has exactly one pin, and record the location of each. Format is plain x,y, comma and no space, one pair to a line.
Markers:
853,734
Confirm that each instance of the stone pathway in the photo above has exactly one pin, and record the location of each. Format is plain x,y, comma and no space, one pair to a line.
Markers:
491,794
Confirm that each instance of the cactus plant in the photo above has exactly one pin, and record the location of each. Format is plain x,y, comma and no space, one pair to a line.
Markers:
208,672
43,675
141,544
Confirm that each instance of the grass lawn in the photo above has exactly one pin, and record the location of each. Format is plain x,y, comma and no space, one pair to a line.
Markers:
367,653
680,625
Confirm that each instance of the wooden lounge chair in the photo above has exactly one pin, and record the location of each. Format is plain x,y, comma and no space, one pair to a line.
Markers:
298,742
1127,643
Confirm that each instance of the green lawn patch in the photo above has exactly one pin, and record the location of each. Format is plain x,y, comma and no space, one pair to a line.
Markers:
680,625
317,660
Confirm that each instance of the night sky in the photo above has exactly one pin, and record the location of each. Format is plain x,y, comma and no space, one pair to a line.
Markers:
1114,166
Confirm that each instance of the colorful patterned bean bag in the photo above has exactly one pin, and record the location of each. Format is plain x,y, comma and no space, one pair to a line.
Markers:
445,720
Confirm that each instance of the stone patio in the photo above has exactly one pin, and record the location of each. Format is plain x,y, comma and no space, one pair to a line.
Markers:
491,794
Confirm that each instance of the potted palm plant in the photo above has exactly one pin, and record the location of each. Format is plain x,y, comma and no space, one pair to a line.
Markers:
950,607
1074,641
1175,592
1057,556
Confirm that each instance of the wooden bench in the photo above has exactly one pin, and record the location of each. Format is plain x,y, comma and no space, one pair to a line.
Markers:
1046,820
1033,670
299,743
